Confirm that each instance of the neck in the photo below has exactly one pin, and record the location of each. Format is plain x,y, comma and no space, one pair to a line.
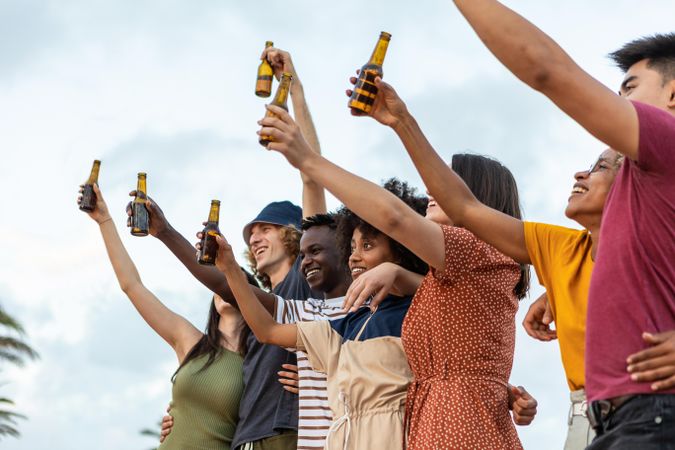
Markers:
339,290
228,325
593,227
279,271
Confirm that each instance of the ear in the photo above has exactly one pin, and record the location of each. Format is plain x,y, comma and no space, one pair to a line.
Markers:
670,87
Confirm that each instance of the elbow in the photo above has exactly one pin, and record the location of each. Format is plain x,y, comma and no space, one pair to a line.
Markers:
128,287
264,337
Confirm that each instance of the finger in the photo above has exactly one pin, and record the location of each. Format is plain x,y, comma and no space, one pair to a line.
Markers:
281,113
664,384
654,375
356,288
654,339
198,245
288,382
548,315
353,80
289,375
132,193
274,122
646,354
515,391
200,235
277,136
378,297
358,71
97,190
362,298
292,390
291,367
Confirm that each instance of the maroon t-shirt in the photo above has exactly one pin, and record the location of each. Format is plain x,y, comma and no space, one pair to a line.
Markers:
633,283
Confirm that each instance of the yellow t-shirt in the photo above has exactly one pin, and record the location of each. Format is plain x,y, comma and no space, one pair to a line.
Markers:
562,259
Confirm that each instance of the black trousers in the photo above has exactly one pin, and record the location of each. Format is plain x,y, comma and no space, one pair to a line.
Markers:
645,422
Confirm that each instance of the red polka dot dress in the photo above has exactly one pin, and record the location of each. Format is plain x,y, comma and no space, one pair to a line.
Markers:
459,336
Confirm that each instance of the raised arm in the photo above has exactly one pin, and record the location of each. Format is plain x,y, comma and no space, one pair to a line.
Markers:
263,325
174,329
374,204
313,194
209,276
539,62
454,197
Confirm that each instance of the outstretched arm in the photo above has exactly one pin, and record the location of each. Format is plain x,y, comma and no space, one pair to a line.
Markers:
174,329
209,276
454,197
375,205
263,325
313,194
539,62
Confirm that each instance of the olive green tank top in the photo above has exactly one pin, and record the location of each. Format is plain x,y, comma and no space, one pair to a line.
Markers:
205,405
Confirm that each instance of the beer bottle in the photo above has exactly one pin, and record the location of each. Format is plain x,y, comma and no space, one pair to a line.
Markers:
209,250
140,220
88,202
280,99
263,85
365,91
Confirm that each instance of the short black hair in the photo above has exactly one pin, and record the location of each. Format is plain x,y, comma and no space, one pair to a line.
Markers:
348,222
319,220
658,50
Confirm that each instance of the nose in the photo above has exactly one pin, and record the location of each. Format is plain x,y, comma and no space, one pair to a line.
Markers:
582,175
354,257
306,260
254,239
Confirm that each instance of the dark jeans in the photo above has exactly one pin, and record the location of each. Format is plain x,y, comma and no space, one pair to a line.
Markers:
645,422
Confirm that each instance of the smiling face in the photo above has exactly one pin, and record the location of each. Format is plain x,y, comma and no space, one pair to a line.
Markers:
587,201
320,260
267,247
368,252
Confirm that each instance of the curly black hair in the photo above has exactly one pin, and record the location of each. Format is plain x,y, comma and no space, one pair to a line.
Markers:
348,222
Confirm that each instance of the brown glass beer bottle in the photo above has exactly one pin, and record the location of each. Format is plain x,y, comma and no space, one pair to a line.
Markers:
140,219
88,202
263,85
280,100
209,247
365,91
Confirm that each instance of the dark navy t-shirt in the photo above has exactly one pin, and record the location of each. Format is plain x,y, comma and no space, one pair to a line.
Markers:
266,408
386,322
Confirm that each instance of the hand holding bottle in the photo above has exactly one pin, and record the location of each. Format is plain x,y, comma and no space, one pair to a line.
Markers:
158,222
225,258
280,61
100,212
287,137
388,108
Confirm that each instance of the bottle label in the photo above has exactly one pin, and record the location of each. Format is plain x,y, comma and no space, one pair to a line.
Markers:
364,92
140,220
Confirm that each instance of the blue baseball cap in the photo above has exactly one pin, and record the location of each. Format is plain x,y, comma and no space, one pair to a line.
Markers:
283,213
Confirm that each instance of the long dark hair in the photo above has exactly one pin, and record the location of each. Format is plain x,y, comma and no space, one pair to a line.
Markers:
348,222
210,342
493,185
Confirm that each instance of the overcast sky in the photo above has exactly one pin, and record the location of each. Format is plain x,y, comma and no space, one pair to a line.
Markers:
166,87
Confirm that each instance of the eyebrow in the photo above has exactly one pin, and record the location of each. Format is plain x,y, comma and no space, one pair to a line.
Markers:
628,80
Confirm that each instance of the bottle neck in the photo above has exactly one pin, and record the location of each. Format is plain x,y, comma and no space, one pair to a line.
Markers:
377,58
141,190
281,97
93,176
214,213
